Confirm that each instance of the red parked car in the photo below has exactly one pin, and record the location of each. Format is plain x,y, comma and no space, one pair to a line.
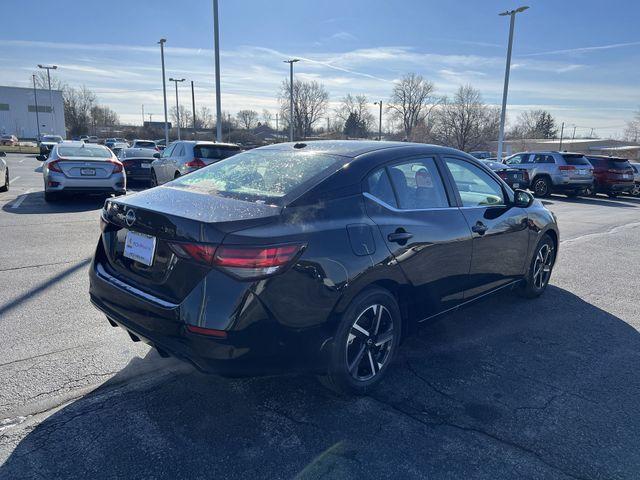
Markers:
612,175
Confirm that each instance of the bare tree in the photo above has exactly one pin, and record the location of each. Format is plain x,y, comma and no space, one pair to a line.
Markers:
42,81
78,105
632,132
412,100
266,117
310,101
247,119
186,120
534,124
103,116
204,117
466,122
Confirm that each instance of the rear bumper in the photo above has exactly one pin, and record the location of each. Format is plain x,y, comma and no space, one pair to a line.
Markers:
615,187
116,183
256,344
572,186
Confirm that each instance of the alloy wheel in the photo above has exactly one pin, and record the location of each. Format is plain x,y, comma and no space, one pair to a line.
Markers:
540,188
369,342
542,266
636,190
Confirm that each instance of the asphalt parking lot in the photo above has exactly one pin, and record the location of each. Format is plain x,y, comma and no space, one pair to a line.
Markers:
508,388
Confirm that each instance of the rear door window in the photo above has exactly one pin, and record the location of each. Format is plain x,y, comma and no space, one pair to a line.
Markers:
417,185
379,186
541,158
518,159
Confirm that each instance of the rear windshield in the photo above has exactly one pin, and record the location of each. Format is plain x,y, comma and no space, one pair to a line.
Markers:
146,144
85,151
618,163
137,153
214,151
575,159
260,175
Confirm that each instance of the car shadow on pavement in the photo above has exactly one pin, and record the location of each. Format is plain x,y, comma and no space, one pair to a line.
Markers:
33,203
508,388
621,201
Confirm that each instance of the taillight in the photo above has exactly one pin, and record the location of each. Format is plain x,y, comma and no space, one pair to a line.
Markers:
54,167
117,166
196,163
565,169
241,261
211,332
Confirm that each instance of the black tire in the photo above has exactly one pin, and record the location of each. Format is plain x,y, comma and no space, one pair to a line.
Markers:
154,180
541,187
635,192
5,187
612,195
535,282
357,341
50,197
590,191
571,194
177,175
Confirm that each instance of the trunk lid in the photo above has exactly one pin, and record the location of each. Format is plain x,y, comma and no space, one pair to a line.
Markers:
172,215
86,168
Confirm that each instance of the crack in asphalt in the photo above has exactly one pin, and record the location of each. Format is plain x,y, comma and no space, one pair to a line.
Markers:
12,362
44,264
478,431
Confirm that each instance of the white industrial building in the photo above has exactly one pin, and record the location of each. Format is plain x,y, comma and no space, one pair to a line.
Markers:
18,112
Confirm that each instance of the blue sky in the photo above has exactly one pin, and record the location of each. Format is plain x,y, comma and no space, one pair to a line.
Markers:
578,59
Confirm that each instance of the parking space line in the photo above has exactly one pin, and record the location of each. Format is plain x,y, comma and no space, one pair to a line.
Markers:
21,198
11,180
21,160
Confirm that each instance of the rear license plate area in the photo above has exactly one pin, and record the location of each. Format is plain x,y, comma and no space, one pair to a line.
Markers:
88,172
139,247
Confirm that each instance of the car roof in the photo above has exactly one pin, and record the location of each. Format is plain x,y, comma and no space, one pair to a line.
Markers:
355,148
138,152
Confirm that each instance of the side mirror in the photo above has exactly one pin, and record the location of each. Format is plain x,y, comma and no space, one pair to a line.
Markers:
42,158
156,155
3,154
522,198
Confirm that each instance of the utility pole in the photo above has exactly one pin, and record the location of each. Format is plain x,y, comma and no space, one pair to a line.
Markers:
277,129
379,120
216,46
327,125
164,94
573,137
53,116
176,81
193,109
291,62
35,99
561,135
503,112
143,114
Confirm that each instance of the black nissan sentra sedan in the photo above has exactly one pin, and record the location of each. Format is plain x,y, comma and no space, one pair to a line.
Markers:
316,257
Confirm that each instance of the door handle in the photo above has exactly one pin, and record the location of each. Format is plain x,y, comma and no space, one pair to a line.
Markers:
399,237
479,228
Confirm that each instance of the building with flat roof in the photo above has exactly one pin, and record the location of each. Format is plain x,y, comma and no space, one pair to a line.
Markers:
18,112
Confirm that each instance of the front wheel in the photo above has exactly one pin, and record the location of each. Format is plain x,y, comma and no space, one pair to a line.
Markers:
539,272
635,191
365,343
154,179
5,187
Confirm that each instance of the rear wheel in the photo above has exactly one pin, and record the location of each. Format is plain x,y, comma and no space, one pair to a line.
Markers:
5,187
176,175
539,273
154,179
365,343
541,187
589,191
635,191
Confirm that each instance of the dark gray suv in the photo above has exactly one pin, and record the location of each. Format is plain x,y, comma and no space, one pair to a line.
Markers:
555,172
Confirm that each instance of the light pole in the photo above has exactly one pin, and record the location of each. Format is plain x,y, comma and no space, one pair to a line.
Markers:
48,69
176,81
164,94
379,120
216,46
512,14
291,62
193,109
35,99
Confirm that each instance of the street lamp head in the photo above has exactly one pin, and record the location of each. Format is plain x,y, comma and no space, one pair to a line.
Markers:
292,60
513,12
163,40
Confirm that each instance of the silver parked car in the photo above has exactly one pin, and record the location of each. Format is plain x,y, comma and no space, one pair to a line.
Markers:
185,156
555,172
636,179
4,174
82,167
138,143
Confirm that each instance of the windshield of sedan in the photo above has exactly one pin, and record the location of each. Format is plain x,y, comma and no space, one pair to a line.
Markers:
214,151
84,151
260,174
